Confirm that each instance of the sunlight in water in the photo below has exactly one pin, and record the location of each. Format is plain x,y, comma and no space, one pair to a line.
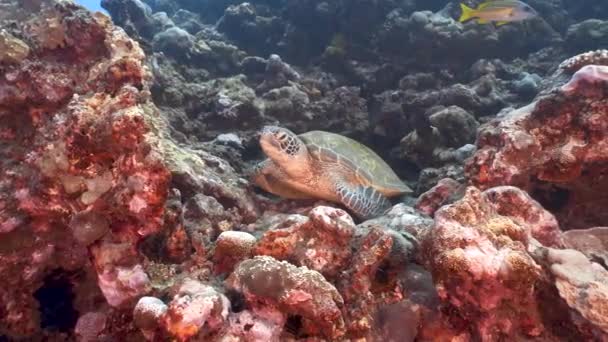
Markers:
93,5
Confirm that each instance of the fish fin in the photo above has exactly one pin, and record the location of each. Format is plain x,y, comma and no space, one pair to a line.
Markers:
483,5
467,13
500,23
482,21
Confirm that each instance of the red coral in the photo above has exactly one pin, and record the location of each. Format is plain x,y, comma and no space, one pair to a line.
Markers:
75,143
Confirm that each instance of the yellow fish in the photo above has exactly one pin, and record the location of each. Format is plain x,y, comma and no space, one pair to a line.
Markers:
499,11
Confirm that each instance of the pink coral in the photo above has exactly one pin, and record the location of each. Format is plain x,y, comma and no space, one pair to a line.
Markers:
75,148
477,252
587,74
194,306
267,283
582,284
577,62
90,325
436,197
319,241
554,148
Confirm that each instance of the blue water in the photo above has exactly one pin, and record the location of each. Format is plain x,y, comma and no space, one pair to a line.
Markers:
93,5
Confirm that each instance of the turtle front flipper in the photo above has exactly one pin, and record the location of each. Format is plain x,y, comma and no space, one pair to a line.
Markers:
269,176
365,201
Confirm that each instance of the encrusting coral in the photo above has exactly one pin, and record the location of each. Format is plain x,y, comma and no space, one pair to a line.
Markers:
477,253
85,172
552,148
596,57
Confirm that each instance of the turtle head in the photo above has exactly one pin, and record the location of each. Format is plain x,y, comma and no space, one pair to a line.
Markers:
284,148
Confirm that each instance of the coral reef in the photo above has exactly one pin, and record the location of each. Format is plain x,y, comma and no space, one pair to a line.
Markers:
477,253
582,284
86,172
127,212
592,242
528,148
319,241
231,67
289,290
77,168
495,257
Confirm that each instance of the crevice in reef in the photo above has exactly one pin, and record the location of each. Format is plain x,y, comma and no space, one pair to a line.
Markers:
550,196
56,299
237,300
294,325
579,204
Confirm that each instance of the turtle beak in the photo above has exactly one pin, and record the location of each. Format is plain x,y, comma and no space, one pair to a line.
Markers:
267,137
268,142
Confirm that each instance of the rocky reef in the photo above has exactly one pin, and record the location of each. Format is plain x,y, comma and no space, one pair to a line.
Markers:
127,213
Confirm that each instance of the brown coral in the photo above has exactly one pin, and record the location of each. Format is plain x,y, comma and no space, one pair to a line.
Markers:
12,49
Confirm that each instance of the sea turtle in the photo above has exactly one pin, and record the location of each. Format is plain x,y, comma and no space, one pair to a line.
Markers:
327,166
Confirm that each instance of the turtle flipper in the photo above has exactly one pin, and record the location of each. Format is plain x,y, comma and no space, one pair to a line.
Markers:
270,177
365,201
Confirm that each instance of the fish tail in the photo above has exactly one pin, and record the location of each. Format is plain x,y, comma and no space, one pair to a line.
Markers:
467,13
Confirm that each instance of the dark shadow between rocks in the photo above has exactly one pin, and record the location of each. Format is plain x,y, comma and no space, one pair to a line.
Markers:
293,325
579,204
551,197
56,298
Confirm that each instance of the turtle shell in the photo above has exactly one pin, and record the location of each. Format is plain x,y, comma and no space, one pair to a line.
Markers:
355,161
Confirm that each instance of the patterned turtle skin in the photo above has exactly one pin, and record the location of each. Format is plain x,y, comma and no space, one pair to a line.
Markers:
326,166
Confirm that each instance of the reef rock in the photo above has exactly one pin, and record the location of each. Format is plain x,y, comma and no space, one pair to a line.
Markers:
554,148
135,16
76,160
13,49
440,136
85,171
592,242
320,241
195,307
587,34
440,195
477,253
268,284
584,286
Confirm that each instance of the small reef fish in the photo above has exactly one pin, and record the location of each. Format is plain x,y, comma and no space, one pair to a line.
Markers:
499,11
